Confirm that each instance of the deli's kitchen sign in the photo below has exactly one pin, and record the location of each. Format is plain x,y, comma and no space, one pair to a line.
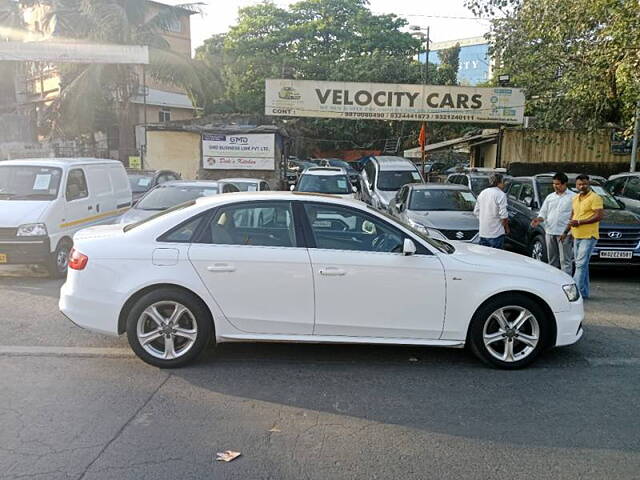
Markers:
251,151
382,101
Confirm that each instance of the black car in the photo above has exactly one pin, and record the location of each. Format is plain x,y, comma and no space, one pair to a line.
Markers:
142,181
619,242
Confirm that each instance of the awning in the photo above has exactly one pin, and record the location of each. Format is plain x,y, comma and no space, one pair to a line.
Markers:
471,140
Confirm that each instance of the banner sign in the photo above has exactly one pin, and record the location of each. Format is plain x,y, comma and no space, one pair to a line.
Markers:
382,101
251,151
66,52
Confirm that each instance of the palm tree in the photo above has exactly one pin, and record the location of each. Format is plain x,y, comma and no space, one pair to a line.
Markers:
96,96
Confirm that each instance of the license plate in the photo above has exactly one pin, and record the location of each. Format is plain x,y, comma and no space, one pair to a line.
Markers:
3,258
615,254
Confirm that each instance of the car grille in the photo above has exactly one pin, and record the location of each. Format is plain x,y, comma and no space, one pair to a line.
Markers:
8,233
619,238
459,234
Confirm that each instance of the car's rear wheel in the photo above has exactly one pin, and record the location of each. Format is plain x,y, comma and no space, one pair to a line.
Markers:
168,327
509,331
538,248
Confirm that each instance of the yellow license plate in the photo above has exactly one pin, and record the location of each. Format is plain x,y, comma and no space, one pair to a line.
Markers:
3,258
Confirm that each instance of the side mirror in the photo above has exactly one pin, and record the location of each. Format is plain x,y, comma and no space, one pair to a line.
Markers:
292,188
533,204
408,248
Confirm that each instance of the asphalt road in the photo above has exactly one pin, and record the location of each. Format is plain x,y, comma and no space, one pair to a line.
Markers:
76,405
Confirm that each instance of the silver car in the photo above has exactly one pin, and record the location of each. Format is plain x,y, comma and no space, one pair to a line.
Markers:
441,210
626,187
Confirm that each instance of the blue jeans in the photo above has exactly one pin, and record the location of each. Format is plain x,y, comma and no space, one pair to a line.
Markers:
497,242
582,249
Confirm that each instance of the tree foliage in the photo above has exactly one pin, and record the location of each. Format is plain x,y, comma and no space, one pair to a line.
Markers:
449,65
578,60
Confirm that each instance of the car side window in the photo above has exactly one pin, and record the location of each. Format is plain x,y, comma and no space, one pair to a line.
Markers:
183,233
616,186
268,224
76,185
264,186
514,191
342,228
632,189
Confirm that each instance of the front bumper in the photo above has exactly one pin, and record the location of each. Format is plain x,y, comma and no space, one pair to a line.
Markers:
569,324
27,251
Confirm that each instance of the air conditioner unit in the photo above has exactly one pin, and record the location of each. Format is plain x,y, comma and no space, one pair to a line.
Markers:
529,122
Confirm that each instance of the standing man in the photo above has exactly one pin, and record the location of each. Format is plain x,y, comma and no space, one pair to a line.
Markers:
585,229
556,214
491,209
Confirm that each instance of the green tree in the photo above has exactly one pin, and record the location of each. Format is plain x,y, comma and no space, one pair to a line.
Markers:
577,59
96,96
449,65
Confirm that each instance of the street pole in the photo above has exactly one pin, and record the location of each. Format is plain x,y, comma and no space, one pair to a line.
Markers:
636,134
143,153
424,83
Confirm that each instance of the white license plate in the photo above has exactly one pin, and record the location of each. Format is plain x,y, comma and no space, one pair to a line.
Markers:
615,254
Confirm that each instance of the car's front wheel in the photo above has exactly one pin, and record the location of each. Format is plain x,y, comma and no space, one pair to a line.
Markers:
509,331
168,327
538,248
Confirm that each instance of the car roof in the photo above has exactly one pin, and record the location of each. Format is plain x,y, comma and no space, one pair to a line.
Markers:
438,186
61,162
325,171
386,163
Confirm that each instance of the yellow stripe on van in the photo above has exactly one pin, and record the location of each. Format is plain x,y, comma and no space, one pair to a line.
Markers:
111,213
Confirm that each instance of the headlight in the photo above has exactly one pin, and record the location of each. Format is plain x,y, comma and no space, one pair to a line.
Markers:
572,292
417,226
435,233
32,230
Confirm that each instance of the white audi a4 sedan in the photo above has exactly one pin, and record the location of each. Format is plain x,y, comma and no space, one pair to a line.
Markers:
287,267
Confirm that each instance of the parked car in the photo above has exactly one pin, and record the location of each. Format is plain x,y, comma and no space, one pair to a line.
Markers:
625,187
173,193
267,267
619,242
459,168
433,168
354,176
331,180
437,209
474,179
382,177
142,181
295,167
247,184
44,202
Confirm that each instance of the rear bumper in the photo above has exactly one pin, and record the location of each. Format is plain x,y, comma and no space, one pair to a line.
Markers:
20,252
569,324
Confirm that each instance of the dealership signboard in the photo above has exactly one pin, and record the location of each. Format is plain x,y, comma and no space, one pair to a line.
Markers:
382,101
251,151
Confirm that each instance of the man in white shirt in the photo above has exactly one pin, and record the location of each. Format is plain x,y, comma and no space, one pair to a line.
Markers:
556,214
491,209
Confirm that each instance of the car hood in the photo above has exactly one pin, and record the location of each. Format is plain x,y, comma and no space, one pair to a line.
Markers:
496,261
135,215
613,218
14,213
445,220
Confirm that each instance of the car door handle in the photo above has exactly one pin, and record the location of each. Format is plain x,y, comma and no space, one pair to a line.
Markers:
90,207
332,272
221,267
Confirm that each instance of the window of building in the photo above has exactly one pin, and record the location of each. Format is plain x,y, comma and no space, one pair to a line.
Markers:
164,115
174,25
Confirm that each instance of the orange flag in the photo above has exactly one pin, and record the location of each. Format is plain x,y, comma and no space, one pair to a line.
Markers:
422,139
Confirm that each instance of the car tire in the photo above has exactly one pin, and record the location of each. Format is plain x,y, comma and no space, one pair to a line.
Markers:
505,346
58,262
169,327
538,249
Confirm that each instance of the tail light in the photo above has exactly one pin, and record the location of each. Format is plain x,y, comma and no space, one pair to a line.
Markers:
77,260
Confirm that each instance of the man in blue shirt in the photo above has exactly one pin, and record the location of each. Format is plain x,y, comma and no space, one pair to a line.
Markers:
556,214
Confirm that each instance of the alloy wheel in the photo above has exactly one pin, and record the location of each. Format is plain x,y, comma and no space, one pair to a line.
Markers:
537,251
511,333
167,330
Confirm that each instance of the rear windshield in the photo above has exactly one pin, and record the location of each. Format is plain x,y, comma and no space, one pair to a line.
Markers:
246,186
131,226
391,181
163,197
26,182
332,184
478,184
140,182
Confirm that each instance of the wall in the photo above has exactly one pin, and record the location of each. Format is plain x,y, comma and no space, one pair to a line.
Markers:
154,111
178,151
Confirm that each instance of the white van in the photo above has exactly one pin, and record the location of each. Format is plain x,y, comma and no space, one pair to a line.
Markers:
43,202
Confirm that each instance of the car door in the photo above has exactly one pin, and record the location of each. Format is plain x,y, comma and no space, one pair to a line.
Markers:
631,194
364,285
524,212
256,268
79,208
515,218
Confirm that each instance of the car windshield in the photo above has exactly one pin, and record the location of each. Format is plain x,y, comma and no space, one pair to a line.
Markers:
164,197
392,180
610,203
246,186
478,184
333,184
18,182
433,200
140,182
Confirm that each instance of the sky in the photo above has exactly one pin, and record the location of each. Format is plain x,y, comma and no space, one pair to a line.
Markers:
218,15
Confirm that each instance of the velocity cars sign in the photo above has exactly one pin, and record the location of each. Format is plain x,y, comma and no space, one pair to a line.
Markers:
252,151
382,101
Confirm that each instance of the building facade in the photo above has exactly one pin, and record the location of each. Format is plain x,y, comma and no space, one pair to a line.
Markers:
475,63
